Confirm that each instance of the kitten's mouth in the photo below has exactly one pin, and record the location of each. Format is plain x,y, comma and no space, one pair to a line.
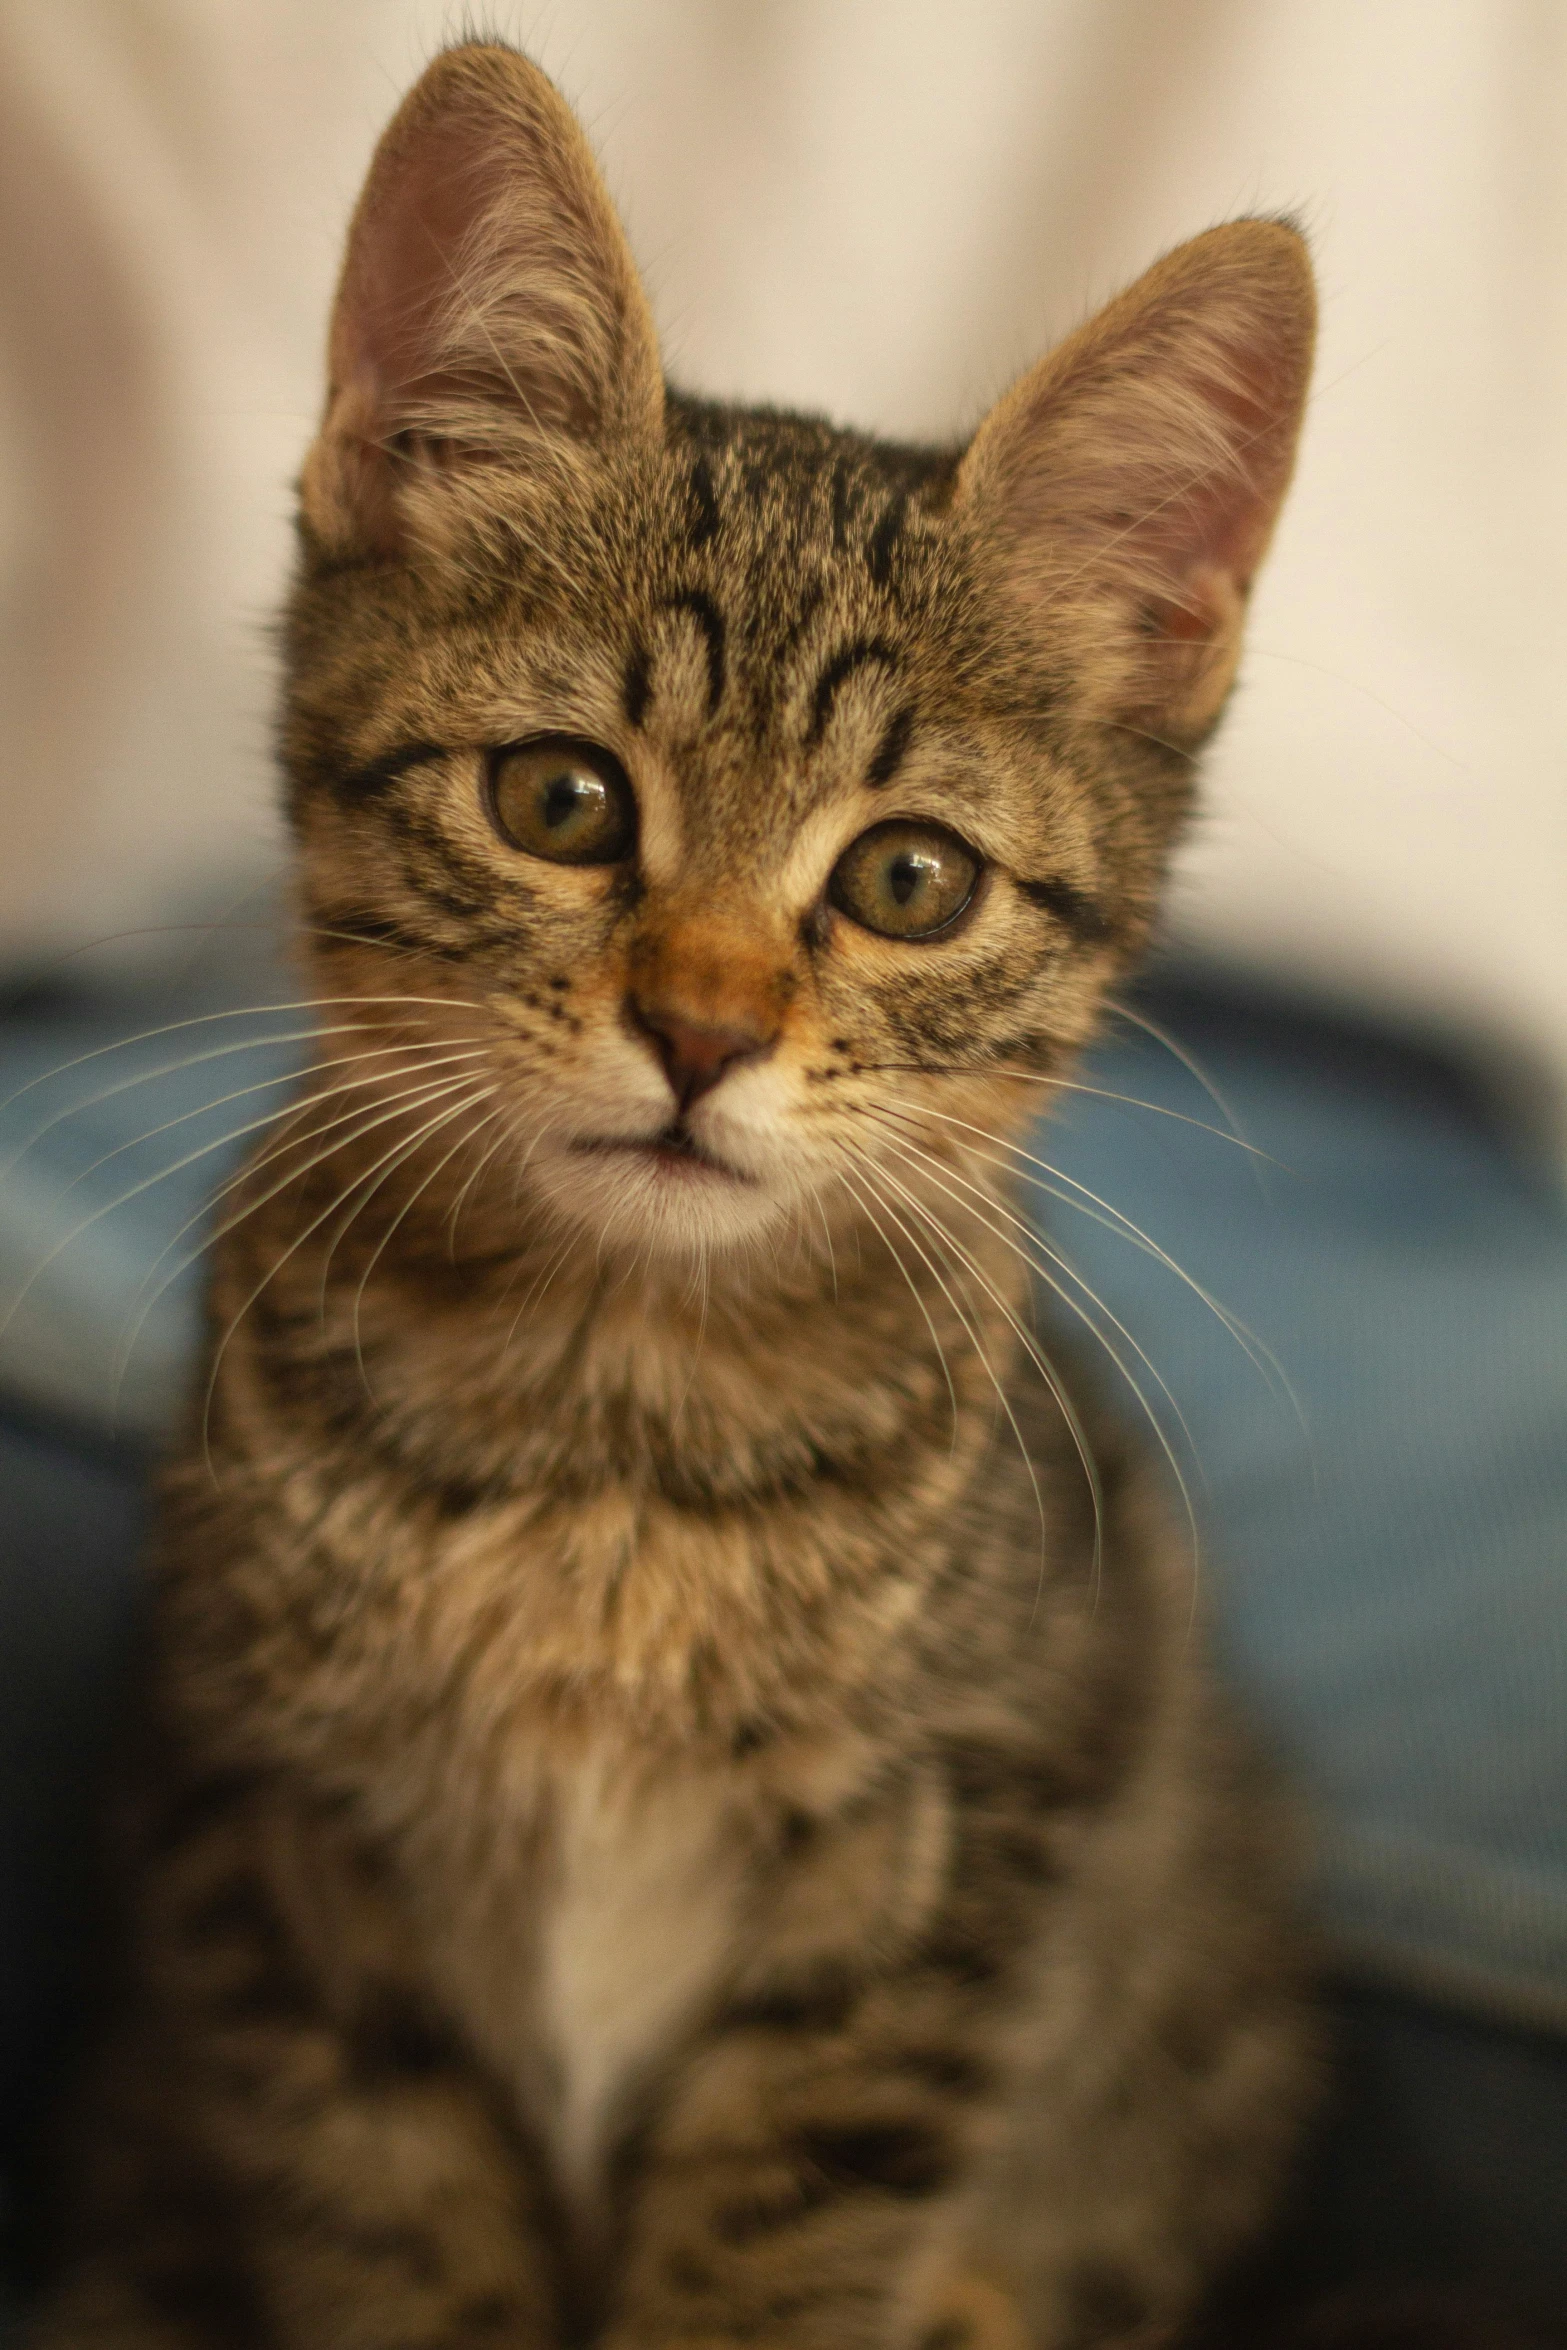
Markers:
676,1152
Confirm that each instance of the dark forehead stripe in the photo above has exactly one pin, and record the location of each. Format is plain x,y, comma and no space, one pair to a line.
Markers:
710,621
1071,906
636,684
809,605
883,539
704,504
889,751
840,507
857,654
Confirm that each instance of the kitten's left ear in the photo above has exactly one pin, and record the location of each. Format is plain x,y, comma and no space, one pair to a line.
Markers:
1126,489
488,302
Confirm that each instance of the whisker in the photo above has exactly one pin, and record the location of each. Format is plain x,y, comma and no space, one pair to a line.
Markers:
460,1144
249,1044
332,1208
508,1133
433,1093
285,1115
1075,1306
234,1012
935,1339
290,1076
1063,1265
701,1294
986,1070
1047,1371
1132,1101
1100,1211
139,1311
832,1254
1188,1061
968,1323
1160,742
538,1288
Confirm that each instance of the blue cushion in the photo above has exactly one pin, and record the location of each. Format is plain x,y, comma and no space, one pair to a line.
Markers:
119,1121
1385,1544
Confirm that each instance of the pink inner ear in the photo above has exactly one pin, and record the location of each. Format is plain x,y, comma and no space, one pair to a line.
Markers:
488,309
404,272
1223,520
1129,484
1151,451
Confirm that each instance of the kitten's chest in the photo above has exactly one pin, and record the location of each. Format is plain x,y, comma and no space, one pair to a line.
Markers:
602,1950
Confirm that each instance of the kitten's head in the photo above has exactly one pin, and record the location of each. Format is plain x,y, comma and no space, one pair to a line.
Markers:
761,797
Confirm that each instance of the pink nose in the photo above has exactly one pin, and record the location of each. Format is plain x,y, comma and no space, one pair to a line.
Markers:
694,1054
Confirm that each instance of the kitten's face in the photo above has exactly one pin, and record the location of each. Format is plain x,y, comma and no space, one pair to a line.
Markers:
766,804
719,811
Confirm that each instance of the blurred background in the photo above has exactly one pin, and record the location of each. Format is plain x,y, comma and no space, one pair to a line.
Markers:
885,209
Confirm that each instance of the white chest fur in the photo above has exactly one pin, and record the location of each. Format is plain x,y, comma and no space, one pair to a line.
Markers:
637,1920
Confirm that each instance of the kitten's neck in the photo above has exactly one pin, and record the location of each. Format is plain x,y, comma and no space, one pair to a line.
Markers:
704,1381
699,1504
521,1357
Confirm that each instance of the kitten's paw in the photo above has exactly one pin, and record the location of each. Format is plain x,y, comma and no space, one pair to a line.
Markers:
974,2314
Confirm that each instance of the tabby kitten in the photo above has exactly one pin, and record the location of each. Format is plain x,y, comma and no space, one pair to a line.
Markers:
679,1804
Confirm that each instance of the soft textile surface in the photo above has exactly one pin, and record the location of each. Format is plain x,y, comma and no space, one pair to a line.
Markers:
1384,1539
1388,1563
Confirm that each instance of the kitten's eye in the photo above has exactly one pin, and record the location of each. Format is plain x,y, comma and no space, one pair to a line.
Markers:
567,801
904,880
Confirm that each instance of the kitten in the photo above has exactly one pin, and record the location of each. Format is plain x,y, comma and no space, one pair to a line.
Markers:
679,1802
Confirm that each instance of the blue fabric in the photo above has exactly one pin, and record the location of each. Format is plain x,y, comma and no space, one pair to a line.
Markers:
1386,1550
110,1151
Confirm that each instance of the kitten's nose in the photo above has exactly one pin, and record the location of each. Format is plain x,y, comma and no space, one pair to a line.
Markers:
696,1054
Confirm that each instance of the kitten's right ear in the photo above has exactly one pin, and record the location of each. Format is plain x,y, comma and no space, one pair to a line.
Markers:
488,301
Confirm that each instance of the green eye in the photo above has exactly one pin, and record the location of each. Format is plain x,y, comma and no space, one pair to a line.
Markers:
567,801
904,880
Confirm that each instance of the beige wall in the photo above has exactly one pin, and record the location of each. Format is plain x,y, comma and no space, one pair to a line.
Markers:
883,209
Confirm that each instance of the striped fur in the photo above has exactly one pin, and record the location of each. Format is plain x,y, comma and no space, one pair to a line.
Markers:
678,1802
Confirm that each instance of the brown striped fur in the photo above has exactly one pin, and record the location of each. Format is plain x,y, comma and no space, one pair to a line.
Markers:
680,1804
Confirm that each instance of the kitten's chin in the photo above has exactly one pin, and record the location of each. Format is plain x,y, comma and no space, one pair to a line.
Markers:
666,1194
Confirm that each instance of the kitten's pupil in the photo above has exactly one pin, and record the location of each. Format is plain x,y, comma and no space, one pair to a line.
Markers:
905,877
563,797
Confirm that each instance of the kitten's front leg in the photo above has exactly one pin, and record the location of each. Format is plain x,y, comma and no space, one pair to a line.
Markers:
812,2190
284,2147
